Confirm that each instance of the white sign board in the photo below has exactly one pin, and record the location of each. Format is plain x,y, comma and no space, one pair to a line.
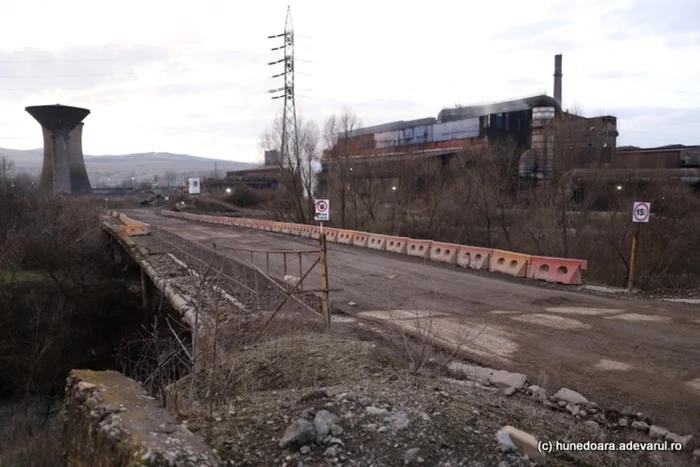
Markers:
322,210
641,211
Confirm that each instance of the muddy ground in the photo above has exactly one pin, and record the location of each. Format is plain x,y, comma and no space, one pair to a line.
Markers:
618,351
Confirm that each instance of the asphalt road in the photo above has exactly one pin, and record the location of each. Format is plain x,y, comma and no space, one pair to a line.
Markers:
617,351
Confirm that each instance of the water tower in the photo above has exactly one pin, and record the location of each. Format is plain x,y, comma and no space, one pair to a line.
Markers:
63,172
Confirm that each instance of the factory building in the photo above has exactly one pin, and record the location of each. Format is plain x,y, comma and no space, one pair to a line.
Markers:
548,139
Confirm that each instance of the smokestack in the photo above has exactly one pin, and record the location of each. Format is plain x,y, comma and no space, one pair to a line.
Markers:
557,78
63,171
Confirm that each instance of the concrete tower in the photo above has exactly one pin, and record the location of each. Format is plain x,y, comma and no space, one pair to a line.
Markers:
63,171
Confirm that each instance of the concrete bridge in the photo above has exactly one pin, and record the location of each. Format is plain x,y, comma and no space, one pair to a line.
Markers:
619,349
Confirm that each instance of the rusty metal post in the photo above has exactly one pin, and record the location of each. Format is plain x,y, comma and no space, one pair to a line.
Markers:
301,274
267,261
325,310
257,291
285,263
633,257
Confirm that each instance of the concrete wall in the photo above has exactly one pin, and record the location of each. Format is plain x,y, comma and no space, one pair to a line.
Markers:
109,420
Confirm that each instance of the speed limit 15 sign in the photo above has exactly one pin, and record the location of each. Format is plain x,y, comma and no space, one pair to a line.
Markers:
641,211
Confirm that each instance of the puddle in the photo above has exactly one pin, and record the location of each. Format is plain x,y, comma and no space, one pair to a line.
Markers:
557,322
573,310
403,314
342,319
638,317
480,338
612,365
694,385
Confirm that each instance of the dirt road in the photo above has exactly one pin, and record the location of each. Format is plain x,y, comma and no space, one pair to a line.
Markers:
620,352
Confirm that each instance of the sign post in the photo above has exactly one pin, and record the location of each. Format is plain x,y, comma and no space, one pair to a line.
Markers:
322,207
640,215
322,211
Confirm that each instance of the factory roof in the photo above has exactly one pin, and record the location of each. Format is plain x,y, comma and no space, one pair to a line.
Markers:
472,111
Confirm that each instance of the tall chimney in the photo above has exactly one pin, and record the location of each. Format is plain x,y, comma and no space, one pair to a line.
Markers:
557,78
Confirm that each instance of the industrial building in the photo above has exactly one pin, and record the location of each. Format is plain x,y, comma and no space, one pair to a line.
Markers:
537,125
551,142
266,177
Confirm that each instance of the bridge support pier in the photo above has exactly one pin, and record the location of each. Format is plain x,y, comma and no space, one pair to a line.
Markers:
148,293
118,253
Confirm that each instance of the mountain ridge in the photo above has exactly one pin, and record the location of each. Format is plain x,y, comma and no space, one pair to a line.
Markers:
145,164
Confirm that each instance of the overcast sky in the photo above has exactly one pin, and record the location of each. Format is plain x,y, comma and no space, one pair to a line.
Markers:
191,77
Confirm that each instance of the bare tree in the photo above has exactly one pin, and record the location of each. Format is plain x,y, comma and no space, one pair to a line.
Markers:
340,148
297,168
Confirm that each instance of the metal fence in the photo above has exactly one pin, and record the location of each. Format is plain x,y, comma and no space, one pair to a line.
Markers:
238,267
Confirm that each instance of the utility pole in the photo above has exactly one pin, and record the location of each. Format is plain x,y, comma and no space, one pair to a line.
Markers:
290,139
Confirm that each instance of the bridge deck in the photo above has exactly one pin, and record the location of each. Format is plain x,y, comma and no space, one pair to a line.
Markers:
616,351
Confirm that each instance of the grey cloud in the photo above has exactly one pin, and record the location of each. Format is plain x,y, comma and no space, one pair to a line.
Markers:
533,29
169,90
525,82
674,20
617,74
27,71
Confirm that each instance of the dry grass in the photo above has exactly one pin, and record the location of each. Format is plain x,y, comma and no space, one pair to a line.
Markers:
25,442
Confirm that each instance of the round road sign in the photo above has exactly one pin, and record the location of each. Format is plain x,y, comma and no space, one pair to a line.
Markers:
321,206
641,212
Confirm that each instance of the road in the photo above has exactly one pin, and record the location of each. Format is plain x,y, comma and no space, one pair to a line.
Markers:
619,352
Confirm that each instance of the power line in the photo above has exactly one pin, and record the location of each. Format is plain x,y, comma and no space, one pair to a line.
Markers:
290,136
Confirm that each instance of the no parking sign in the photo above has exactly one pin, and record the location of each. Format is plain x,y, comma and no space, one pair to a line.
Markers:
322,210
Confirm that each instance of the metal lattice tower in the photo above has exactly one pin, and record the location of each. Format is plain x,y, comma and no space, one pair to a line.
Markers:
290,139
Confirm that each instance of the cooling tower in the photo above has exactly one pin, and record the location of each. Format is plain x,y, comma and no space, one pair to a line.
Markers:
64,170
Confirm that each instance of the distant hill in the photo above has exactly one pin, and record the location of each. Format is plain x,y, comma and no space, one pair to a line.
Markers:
142,165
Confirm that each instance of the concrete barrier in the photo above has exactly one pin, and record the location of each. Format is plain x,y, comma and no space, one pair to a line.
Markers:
377,242
507,262
444,252
360,239
345,236
109,419
418,248
286,228
296,230
268,226
136,230
473,257
557,270
331,234
315,232
305,231
277,226
396,244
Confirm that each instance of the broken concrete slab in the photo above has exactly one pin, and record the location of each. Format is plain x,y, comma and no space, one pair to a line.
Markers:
499,378
569,396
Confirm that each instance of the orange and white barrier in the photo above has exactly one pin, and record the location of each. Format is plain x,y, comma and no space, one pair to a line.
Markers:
360,239
557,270
419,248
331,234
473,257
396,244
377,242
345,236
507,262
444,252
305,231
